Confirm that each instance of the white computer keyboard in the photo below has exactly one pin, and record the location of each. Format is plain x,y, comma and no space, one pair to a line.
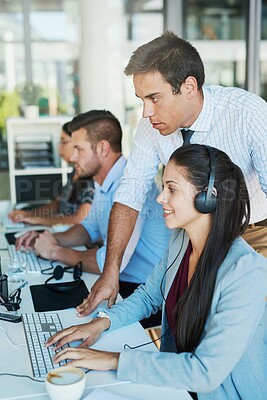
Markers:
29,258
9,224
38,327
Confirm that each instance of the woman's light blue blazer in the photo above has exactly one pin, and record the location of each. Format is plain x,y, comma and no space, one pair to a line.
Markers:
230,362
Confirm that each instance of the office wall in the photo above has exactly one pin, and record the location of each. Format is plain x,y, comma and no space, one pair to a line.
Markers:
4,185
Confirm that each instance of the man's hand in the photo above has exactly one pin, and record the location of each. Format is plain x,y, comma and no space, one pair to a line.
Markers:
121,225
105,288
27,240
46,244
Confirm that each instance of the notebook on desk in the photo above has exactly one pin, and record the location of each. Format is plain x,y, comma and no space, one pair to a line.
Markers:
45,299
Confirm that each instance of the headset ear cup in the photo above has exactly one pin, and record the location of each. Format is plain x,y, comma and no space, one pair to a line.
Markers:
58,272
66,287
213,203
76,275
200,203
77,271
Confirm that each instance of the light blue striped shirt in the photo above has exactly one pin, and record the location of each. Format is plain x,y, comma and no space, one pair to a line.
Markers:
233,120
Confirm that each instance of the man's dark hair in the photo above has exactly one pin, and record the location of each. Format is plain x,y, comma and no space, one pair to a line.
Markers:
174,58
99,125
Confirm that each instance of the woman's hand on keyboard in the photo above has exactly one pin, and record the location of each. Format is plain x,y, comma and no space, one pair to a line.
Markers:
89,358
89,333
27,240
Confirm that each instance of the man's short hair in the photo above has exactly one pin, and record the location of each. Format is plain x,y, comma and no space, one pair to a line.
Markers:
99,125
174,58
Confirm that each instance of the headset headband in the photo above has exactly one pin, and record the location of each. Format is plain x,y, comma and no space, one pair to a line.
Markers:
211,175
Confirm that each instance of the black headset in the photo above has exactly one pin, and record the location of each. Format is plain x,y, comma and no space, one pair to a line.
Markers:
67,286
206,201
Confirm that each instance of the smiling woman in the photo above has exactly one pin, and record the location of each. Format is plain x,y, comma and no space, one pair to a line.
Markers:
211,285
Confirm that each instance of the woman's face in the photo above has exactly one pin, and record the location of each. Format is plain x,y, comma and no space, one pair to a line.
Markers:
177,198
65,147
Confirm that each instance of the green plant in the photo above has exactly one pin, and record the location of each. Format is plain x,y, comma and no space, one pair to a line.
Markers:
30,93
9,107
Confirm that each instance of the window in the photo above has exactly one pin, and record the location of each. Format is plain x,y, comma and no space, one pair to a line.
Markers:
39,43
218,30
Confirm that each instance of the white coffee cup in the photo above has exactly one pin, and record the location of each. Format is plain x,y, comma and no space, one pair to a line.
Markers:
65,383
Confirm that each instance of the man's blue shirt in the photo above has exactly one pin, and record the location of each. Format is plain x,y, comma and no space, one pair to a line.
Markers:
150,238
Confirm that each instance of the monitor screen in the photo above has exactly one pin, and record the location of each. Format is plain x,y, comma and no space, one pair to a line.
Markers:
38,188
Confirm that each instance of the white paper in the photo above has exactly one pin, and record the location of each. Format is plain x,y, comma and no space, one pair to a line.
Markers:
99,394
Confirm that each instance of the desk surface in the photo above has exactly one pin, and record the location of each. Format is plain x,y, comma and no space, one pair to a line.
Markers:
15,358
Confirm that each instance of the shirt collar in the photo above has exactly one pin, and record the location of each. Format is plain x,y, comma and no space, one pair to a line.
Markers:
113,175
204,120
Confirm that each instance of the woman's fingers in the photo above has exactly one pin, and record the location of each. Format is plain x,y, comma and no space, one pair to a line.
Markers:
88,358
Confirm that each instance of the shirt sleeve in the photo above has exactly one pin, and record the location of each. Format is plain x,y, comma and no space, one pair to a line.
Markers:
101,253
141,168
258,144
90,223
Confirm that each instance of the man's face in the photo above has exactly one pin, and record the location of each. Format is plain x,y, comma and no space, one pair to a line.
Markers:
166,111
85,158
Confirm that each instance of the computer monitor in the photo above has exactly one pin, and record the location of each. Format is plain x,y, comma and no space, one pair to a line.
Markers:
37,188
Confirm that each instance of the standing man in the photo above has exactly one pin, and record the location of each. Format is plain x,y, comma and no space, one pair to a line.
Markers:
168,77
96,137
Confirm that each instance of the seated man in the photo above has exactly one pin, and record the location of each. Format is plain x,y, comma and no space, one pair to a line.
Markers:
96,138
73,201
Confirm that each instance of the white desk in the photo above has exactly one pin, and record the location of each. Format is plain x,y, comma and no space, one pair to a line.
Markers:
15,359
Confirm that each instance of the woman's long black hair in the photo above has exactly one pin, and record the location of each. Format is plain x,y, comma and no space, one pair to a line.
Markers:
229,220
